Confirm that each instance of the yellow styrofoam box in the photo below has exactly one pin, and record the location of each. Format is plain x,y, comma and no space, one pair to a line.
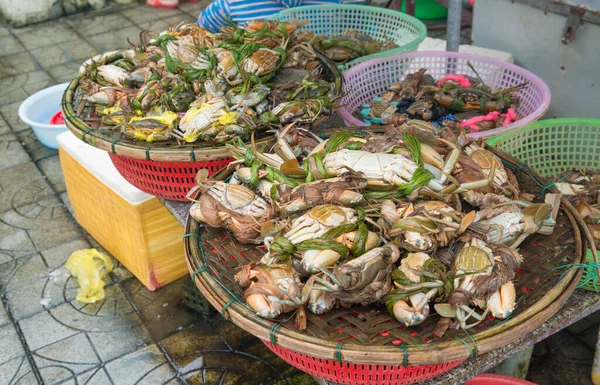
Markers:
130,224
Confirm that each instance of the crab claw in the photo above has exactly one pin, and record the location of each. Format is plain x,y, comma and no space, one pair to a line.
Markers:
263,307
407,314
502,302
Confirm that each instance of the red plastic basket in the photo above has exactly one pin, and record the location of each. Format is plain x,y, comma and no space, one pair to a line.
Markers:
356,374
167,180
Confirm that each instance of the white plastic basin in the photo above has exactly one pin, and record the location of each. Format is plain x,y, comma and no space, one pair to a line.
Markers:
37,110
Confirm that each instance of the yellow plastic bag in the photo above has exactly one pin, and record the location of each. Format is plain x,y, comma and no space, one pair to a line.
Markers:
90,267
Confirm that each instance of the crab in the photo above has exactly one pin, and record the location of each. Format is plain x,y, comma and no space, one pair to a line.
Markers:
234,207
483,273
409,302
270,289
362,280
314,260
262,62
342,190
424,225
151,128
318,221
509,223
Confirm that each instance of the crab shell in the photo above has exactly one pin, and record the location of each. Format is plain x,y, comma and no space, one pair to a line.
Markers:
360,272
318,221
262,62
413,261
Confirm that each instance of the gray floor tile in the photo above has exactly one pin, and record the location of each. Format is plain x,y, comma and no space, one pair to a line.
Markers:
3,316
34,148
64,197
50,291
17,371
66,358
194,8
111,324
10,114
56,256
72,51
52,170
62,230
19,87
15,245
47,225
17,273
43,330
11,346
10,45
97,376
94,25
16,64
121,341
22,185
145,366
11,152
113,40
45,35
4,31
65,72
162,310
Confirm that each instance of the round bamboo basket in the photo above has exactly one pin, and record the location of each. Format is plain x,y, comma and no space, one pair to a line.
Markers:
164,169
356,344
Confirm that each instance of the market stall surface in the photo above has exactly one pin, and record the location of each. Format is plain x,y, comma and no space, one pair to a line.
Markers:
134,335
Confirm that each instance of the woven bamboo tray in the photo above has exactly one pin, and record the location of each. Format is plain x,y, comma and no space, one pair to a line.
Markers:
90,131
369,336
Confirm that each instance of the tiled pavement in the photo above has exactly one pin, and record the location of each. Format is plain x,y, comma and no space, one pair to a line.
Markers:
134,336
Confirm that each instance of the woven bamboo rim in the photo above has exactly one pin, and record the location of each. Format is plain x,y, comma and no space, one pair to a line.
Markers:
161,151
464,346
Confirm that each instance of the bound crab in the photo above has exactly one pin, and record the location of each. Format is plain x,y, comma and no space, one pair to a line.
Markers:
482,277
510,222
424,225
234,207
419,279
362,280
272,290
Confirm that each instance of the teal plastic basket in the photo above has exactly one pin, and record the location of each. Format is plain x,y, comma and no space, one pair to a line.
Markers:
552,147
380,23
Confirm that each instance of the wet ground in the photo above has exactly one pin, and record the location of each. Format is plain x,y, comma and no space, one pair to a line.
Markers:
134,336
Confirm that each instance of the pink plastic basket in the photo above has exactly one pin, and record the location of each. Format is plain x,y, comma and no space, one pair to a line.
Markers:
373,77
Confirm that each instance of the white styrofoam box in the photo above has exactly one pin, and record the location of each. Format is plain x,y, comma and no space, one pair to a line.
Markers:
99,164
431,44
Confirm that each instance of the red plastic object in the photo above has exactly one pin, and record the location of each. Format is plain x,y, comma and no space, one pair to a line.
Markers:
167,180
57,118
356,374
497,379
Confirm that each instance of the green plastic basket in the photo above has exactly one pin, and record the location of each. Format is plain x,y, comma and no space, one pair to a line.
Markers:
380,23
552,147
